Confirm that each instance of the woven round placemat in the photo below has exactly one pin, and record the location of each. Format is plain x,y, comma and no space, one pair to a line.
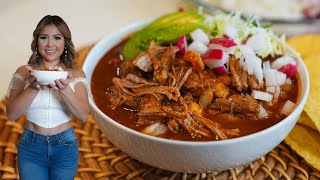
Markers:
100,159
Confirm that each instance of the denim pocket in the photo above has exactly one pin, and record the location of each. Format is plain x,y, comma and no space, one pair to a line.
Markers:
69,140
25,139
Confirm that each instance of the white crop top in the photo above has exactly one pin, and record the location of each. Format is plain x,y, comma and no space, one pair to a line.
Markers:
48,110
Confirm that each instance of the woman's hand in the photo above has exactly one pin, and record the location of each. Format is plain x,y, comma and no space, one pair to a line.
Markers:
34,83
61,84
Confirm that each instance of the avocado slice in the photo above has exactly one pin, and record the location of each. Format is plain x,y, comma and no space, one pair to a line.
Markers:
166,29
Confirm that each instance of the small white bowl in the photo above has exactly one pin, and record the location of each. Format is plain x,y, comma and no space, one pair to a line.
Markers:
47,77
186,156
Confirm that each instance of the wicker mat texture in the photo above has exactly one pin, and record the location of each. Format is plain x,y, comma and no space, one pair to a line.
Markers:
100,159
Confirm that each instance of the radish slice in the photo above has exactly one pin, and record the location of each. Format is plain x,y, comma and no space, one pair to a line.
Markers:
198,47
214,58
282,61
290,70
220,70
264,96
221,43
256,41
287,107
199,35
182,44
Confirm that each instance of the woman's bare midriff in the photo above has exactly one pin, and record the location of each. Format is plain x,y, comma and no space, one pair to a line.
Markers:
48,131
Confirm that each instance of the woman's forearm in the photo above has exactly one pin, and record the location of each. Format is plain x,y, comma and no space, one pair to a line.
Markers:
18,105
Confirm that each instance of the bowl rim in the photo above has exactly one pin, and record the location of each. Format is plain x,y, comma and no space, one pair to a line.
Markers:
35,70
125,31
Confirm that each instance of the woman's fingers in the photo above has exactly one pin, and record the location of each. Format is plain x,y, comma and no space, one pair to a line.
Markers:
29,68
59,84
69,75
53,86
38,86
32,79
45,87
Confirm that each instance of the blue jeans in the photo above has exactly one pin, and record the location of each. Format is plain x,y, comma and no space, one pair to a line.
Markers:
43,157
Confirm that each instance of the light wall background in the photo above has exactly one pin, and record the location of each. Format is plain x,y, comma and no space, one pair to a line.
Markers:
89,21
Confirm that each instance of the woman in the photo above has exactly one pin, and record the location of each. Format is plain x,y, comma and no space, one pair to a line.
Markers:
48,147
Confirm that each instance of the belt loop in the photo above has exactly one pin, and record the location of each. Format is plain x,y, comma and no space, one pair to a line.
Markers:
33,137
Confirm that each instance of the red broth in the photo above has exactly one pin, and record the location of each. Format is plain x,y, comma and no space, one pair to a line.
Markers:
102,80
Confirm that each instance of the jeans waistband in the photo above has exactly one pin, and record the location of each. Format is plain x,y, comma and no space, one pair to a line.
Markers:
41,137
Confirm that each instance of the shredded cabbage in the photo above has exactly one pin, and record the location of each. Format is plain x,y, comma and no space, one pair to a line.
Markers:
219,25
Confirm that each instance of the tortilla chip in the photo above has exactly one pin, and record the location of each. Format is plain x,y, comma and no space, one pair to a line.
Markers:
306,45
312,106
306,121
305,142
309,47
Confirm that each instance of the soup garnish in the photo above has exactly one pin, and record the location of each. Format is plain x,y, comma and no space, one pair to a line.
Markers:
224,79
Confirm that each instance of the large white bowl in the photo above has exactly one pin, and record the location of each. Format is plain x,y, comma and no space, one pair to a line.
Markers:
182,156
47,77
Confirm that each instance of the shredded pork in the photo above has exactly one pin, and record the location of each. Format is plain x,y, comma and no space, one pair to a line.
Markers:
176,95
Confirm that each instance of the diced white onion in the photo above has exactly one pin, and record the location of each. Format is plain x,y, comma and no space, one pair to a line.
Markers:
271,77
256,41
277,92
246,50
199,35
160,130
274,77
264,96
253,64
250,63
281,78
198,47
121,57
262,112
281,61
288,81
155,129
287,107
258,73
266,65
271,89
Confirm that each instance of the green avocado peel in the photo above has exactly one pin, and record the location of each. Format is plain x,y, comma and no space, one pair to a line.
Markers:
165,29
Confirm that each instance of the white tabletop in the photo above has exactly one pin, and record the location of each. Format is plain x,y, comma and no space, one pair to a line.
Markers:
89,21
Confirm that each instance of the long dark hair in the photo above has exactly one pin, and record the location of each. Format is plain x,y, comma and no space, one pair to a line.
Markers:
63,28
